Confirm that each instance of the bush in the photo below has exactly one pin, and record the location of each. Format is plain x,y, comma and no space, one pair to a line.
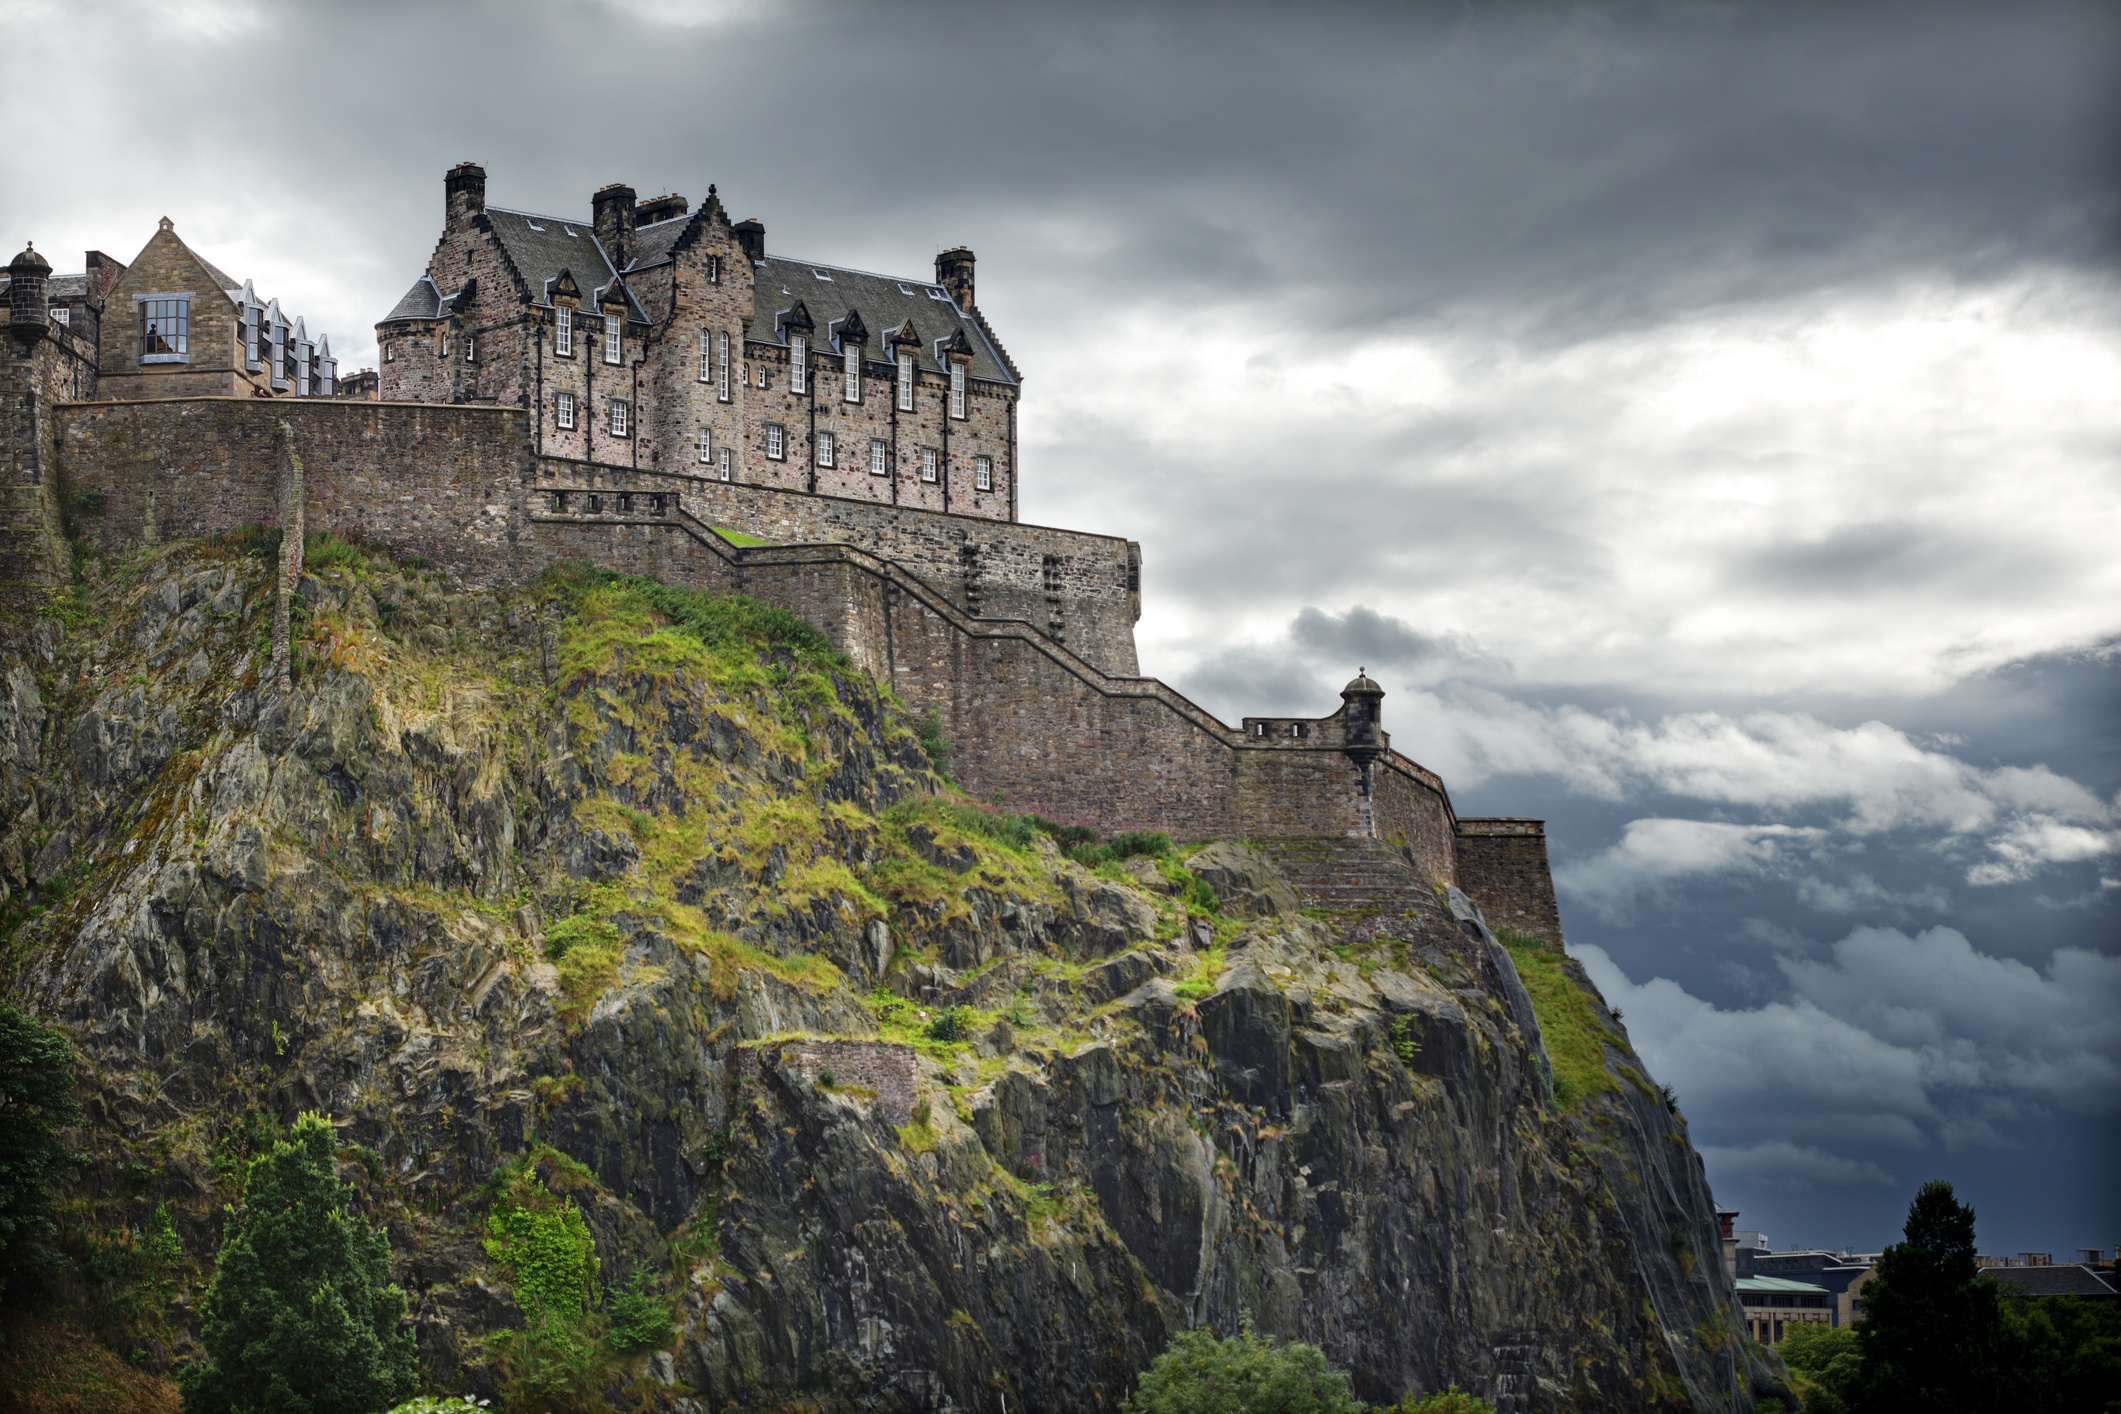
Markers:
640,1319
952,1024
1068,837
545,1248
36,1101
301,1317
1246,1374
554,1365
1450,1401
935,743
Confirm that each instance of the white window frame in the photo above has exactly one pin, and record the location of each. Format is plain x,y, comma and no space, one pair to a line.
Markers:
471,348
722,460
879,457
562,332
563,411
278,342
905,382
798,364
928,465
827,450
983,473
957,389
721,382
776,442
706,445
851,363
614,338
621,417
706,357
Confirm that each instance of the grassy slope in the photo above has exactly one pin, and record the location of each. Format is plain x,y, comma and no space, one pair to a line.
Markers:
1575,1036
49,1367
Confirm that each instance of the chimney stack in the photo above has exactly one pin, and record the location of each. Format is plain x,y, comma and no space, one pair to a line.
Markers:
953,271
614,222
751,235
463,193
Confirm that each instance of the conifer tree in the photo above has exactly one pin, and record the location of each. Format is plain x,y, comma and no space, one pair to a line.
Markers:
301,1317
1934,1339
36,1100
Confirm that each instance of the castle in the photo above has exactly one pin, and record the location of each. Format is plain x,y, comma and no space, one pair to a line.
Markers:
651,391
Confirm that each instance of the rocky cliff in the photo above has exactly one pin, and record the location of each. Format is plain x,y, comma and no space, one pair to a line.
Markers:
605,878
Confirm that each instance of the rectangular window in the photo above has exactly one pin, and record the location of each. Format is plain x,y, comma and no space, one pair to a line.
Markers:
706,445
927,463
471,347
879,457
276,336
798,364
714,270
614,337
165,330
563,332
253,318
983,473
706,357
776,441
825,450
905,382
957,390
721,385
621,414
563,410
722,459
851,356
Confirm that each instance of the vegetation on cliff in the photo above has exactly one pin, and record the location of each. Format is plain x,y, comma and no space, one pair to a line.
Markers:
558,903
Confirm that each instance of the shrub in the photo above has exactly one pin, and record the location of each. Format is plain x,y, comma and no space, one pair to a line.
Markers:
36,1101
544,1246
553,1365
301,1317
952,1024
1246,1374
1068,837
1450,1401
640,1319
935,743
827,1080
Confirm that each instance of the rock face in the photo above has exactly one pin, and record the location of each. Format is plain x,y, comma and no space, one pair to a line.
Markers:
531,875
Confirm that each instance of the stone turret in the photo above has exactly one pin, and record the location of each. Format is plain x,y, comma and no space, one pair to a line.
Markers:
1363,700
27,317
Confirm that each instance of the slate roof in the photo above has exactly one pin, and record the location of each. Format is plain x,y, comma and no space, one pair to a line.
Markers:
55,286
1777,1286
422,301
2067,1280
542,246
884,302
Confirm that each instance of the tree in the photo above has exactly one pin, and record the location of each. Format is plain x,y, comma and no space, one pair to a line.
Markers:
301,1317
1827,1365
1934,1338
36,1101
1246,1374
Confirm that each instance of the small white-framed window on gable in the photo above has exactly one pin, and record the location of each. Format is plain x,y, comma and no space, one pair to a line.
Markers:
905,382
851,359
798,364
827,451
706,357
776,441
928,464
983,473
621,416
706,445
879,457
563,332
614,338
957,389
471,349
721,379
714,270
563,410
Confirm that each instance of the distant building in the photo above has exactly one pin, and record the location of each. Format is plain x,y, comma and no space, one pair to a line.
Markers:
365,384
1774,1304
2059,1279
1840,1274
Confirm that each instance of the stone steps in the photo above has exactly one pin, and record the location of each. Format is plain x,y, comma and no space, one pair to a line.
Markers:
1365,887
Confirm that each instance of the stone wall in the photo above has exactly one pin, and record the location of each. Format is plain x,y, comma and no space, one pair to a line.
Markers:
40,370
882,1066
1502,865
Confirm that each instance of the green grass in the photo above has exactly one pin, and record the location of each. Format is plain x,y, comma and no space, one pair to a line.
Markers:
1575,1038
740,538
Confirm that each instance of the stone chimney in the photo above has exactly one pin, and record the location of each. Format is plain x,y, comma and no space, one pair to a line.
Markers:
614,222
953,271
751,236
662,208
463,193
27,318
103,272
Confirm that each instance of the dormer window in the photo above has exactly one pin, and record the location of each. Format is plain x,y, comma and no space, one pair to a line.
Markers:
614,337
905,381
798,364
165,329
957,389
851,358
563,332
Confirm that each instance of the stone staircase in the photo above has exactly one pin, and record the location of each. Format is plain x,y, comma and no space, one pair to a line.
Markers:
1365,887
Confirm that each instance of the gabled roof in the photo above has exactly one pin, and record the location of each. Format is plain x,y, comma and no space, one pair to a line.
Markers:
652,244
542,246
884,302
2064,1280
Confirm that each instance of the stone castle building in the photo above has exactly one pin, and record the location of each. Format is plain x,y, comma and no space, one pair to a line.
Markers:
652,391
648,337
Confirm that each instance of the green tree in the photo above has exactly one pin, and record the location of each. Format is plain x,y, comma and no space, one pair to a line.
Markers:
1246,1374
2072,1353
1826,1362
301,1317
36,1101
1934,1338
1449,1401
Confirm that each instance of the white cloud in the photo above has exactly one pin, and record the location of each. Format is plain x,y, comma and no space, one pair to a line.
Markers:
1653,853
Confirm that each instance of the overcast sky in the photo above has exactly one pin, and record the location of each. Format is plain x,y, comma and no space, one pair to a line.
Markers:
1704,418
